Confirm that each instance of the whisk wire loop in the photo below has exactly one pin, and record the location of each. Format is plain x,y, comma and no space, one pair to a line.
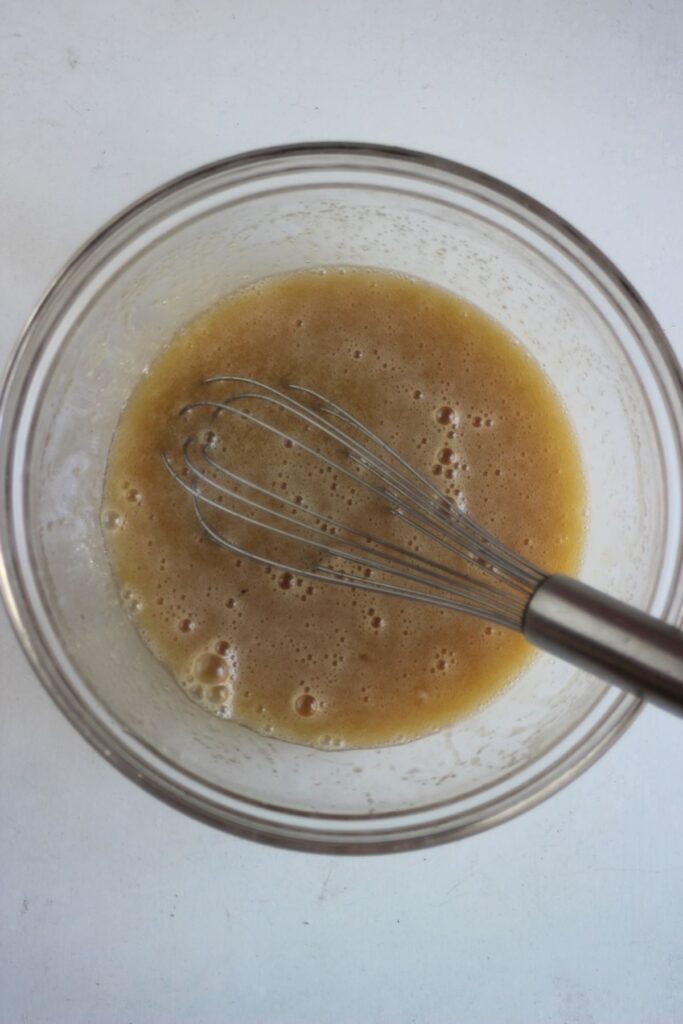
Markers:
496,586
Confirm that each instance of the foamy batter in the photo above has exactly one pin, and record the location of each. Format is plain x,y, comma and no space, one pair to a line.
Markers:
318,663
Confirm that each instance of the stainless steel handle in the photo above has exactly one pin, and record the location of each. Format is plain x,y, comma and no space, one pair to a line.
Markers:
609,639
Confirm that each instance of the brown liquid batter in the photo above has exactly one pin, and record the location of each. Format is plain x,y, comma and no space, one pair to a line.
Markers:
317,663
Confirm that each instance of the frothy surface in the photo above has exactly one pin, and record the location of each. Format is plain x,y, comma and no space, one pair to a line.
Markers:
312,662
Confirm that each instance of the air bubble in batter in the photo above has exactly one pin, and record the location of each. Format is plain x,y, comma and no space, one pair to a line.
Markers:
112,520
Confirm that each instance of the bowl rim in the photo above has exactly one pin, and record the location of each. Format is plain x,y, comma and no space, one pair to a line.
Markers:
294,830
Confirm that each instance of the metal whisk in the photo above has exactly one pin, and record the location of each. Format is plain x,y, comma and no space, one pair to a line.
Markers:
466,569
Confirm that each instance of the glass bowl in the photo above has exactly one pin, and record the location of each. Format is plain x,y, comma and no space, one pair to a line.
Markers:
167,258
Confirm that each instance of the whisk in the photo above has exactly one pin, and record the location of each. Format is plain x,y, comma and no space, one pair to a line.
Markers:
472,571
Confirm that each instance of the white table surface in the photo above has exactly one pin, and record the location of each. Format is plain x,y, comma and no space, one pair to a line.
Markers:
114,909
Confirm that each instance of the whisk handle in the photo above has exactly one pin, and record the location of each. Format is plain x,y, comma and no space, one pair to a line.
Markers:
609,639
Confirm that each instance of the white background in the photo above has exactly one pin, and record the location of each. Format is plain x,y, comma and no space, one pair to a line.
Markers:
114,908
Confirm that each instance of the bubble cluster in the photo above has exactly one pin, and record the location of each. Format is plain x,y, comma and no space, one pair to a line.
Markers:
131,601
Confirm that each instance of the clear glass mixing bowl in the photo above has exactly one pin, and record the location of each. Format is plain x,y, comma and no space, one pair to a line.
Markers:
173,254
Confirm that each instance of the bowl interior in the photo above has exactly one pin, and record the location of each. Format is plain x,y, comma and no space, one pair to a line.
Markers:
154,273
